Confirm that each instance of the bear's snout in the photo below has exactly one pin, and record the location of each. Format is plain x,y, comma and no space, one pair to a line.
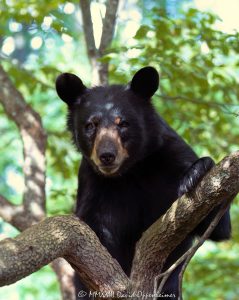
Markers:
107,150
108,153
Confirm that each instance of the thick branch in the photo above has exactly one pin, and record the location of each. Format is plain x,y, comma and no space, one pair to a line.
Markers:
34,144
66,236
88,28
61,236
93,53
108,25
107,37
100,69
221,183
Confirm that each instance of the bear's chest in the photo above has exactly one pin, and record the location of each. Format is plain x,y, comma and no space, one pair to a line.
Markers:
120,209
124,209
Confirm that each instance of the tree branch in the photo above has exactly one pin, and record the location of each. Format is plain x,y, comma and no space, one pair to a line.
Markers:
107,37
221,183
186,257
10,213
61,236
32,133
218,106
33,137
34,144
66,236
65,275
100,69
88,29
108,25
200,241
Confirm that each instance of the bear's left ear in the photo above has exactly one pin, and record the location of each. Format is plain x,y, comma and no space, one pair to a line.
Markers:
145,82
69,87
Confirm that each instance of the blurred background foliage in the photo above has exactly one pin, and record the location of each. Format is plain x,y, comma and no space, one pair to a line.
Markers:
198,97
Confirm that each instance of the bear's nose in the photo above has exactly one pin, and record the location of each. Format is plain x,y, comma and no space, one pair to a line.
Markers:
107,158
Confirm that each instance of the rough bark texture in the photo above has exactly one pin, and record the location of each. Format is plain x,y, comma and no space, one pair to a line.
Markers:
88,28
99,69
64,273
221,183
34,145
66,236
32,209
61,236
107,36
13,214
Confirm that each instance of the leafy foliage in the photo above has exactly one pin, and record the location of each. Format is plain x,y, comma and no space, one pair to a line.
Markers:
199,89
33,13
219,272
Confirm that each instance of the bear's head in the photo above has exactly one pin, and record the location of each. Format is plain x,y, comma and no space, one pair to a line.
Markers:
110,124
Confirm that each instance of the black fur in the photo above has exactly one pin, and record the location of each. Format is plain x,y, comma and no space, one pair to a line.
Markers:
68,87
159,168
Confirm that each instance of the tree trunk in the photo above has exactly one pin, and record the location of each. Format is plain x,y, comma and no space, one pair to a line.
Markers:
34,138
99,68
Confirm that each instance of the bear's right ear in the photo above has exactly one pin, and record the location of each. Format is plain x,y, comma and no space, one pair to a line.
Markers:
69,87
145,82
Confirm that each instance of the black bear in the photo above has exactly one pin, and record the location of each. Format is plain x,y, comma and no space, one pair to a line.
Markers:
134,165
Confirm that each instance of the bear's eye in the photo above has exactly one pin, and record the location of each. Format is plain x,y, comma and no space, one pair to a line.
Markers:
123,124
90,126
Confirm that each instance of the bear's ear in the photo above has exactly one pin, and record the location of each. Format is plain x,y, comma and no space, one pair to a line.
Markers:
69,87
145,82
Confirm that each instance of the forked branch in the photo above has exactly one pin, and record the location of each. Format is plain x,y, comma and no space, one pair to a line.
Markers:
67,237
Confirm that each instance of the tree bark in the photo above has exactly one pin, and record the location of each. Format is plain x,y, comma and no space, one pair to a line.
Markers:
66,236
220,184
34,138
61,236
107,37
99,69
65,274
34,145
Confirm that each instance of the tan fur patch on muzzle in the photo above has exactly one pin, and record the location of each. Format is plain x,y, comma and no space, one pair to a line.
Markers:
112,134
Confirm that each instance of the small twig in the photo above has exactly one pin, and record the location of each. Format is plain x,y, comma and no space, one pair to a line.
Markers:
215,105
168,272
200,241
186,257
